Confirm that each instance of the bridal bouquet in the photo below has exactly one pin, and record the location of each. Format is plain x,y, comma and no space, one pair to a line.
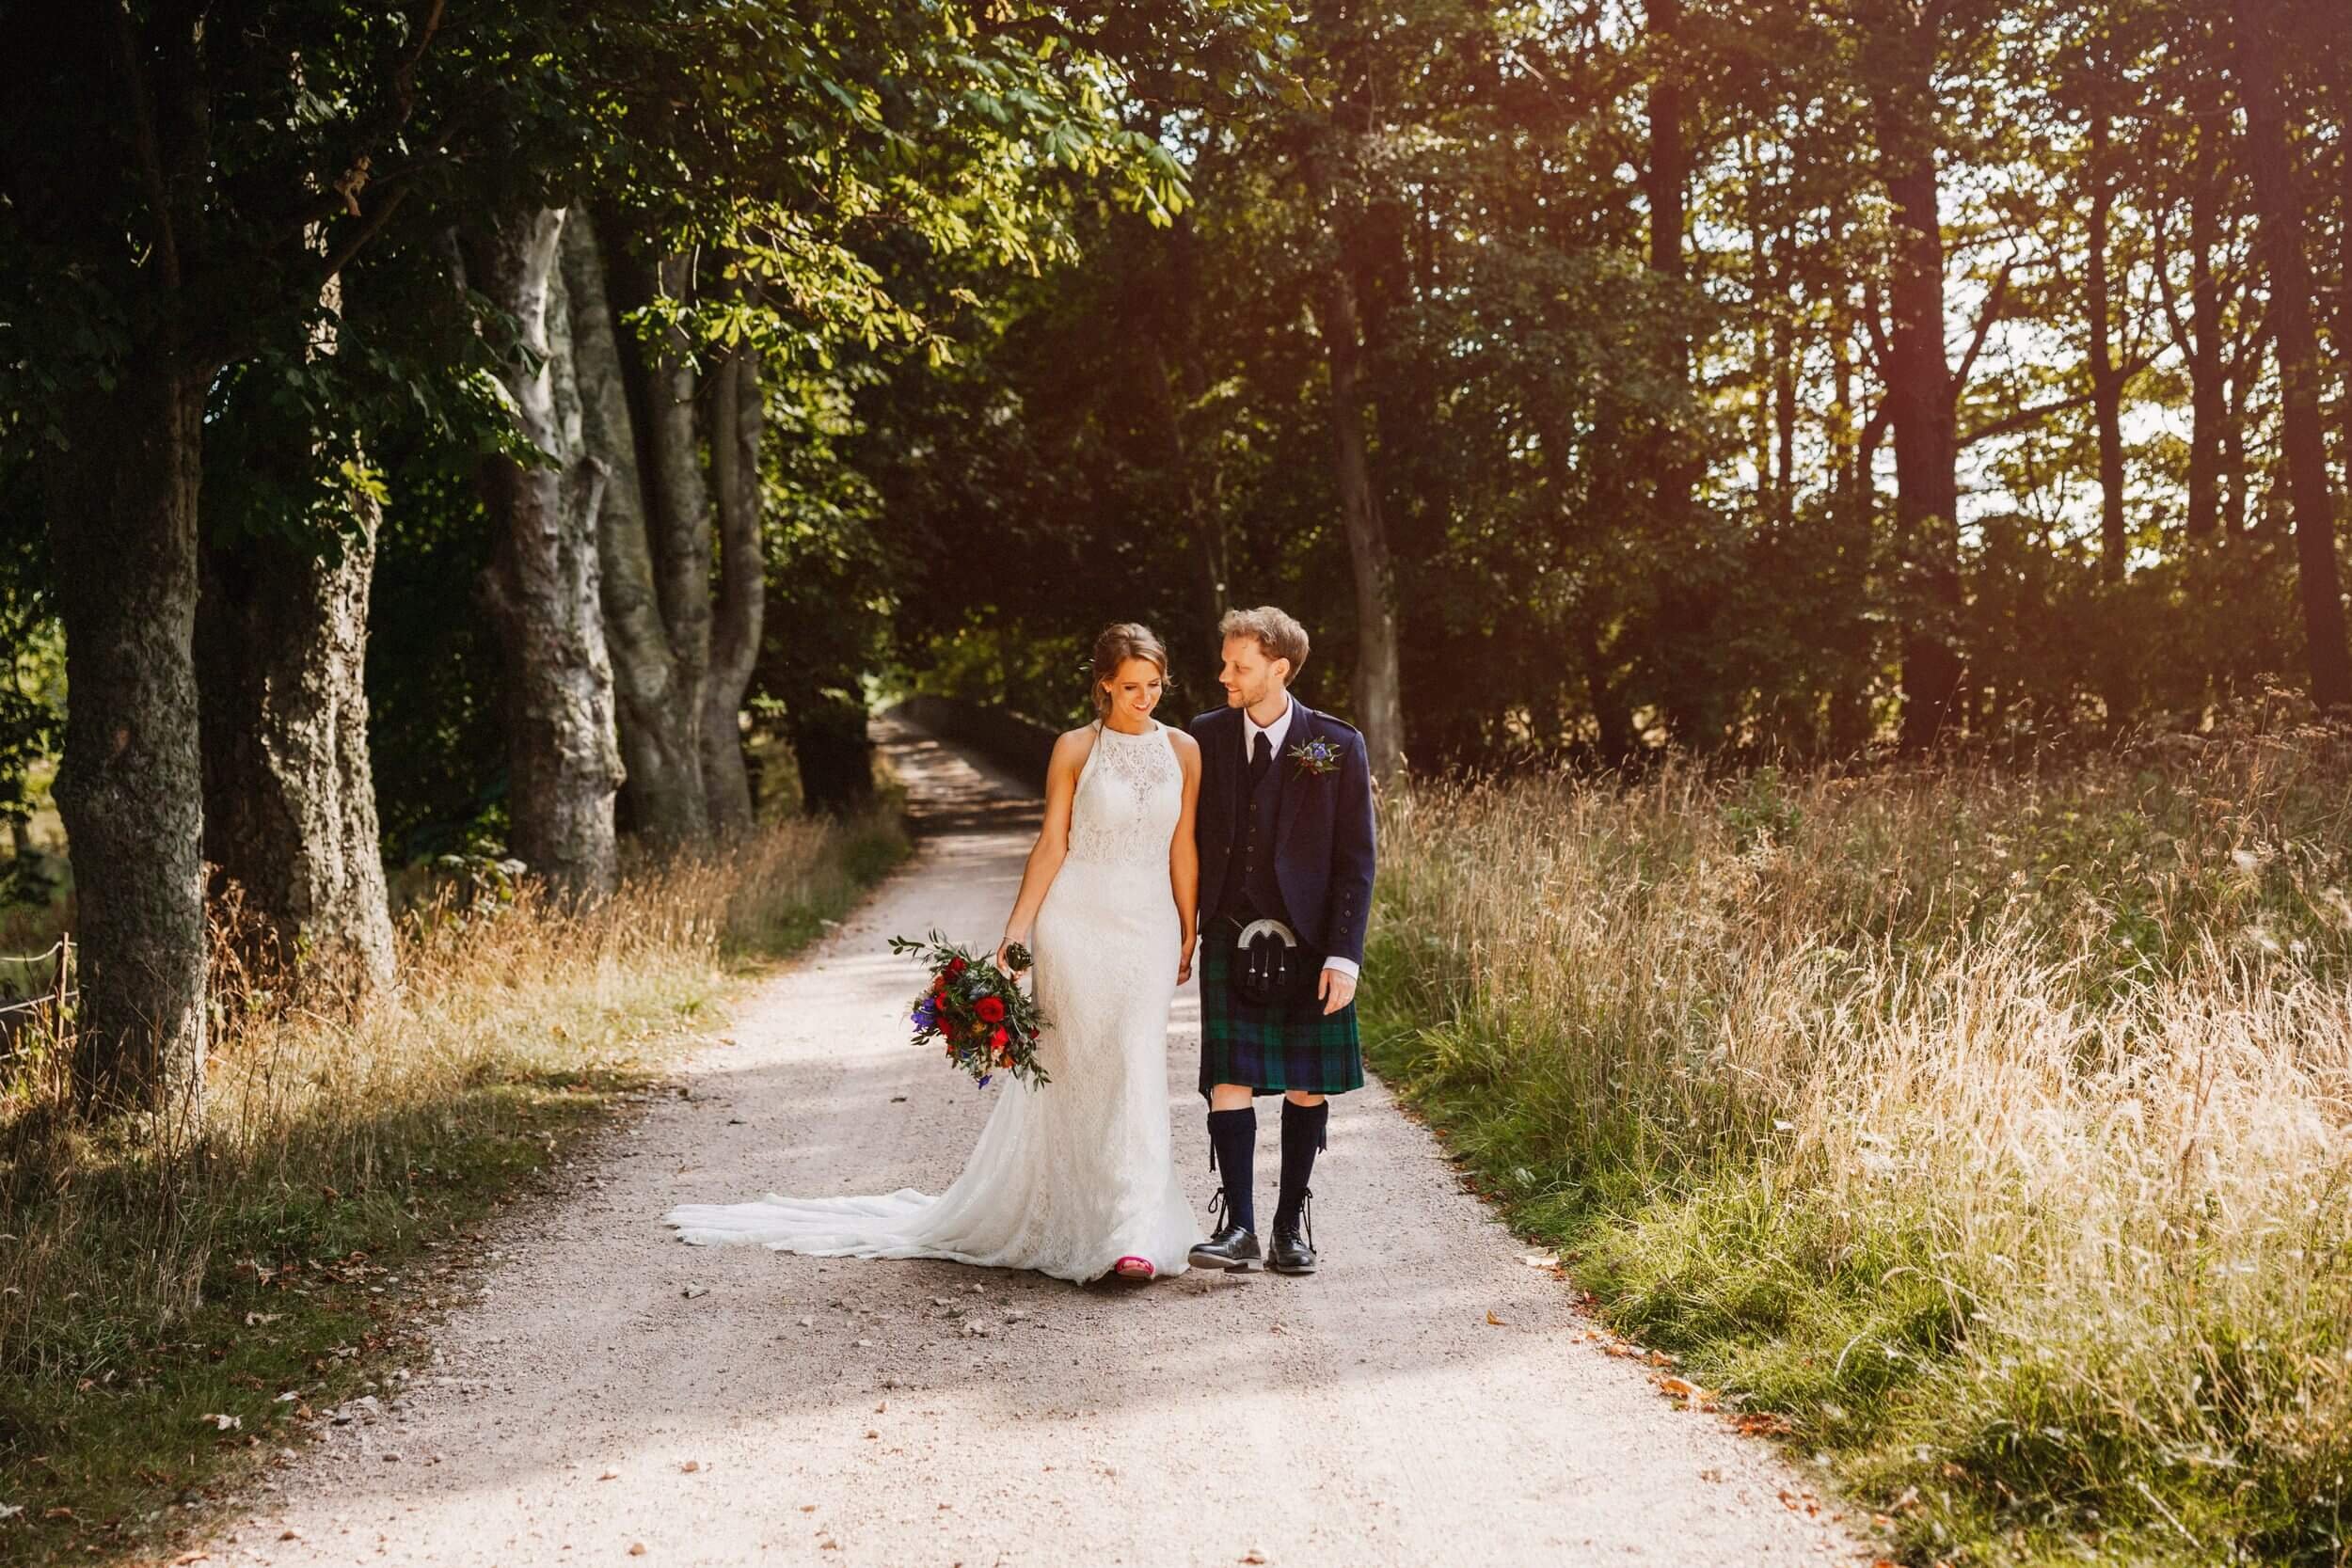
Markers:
988,1023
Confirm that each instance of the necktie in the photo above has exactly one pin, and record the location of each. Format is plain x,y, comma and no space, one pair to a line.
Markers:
1261,758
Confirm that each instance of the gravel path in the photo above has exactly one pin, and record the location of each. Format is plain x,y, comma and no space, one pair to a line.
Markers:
611,1395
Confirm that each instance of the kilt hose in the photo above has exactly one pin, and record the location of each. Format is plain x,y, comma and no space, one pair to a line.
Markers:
1290,1043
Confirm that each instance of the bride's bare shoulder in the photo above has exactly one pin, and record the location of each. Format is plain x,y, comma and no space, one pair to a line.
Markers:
1186,747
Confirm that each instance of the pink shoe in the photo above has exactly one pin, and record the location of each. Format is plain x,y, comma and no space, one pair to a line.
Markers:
1132,1267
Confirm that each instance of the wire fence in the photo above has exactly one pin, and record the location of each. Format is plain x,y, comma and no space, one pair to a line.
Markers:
62,993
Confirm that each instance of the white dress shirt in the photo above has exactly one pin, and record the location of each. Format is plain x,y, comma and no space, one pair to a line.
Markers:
1251,731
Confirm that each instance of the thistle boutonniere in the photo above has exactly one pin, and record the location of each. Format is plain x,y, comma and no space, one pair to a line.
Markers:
1317,756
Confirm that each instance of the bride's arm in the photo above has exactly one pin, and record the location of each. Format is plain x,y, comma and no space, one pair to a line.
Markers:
1053,839
1184,856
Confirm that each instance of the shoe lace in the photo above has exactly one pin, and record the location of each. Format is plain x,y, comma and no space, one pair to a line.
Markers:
1304,1224
1216,1211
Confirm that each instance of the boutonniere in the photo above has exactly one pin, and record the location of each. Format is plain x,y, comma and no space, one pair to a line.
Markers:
1317,756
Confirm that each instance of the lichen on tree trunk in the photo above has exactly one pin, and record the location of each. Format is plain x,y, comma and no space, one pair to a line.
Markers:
543,582
736,427
122,522
289,789
659,730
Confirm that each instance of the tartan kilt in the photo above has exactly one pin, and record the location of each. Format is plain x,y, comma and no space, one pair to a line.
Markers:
1288,1044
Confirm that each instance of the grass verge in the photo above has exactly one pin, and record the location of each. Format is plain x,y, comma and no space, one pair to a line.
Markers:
1988,1128
171,1309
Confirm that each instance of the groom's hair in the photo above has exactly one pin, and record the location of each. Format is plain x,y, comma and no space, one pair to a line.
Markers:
1277,634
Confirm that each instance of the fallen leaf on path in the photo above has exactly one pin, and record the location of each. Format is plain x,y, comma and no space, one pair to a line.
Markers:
187,1557
1253,1557
1682,1387
610,1475
289,1533
689,1467
1765,1424
221,1422
1541,1259
1496,1322
636,1549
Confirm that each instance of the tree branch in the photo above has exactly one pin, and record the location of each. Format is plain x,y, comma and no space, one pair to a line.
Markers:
1984,327
404,74
151,152
1881,352
2164,292
2025,419
369,228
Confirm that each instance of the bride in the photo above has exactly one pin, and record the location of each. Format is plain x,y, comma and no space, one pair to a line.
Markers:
1075,1179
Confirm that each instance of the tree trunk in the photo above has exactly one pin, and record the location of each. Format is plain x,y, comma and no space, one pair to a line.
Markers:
1920,390
2106,377
2113,658
678,508
832,750
660,733
123,539
2257,47
1855,512
1682,622
1378,696
2342,51
289,789
2206,370
542,583
2236,470
736,426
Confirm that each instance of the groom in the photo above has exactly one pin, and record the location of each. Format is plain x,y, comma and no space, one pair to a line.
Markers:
1284,831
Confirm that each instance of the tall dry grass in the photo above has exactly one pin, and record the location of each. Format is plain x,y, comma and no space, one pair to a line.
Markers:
1989,1125
145,1269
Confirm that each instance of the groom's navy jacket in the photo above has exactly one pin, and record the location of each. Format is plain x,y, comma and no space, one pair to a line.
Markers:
1322,857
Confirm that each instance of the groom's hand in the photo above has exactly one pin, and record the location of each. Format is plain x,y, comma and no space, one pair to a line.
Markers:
1336,989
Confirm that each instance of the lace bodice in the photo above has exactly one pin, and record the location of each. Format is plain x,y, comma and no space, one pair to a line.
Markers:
1131,794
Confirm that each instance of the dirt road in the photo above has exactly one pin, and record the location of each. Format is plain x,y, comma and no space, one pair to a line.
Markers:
615,1396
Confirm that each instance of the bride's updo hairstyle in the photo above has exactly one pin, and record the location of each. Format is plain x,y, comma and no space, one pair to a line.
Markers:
1121,641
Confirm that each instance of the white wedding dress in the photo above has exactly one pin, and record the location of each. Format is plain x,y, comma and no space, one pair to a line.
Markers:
1071,1177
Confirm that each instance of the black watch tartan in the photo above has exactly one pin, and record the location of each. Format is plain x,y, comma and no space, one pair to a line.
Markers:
1290,1044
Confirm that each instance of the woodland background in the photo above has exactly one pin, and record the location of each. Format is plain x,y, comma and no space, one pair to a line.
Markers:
1828,512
